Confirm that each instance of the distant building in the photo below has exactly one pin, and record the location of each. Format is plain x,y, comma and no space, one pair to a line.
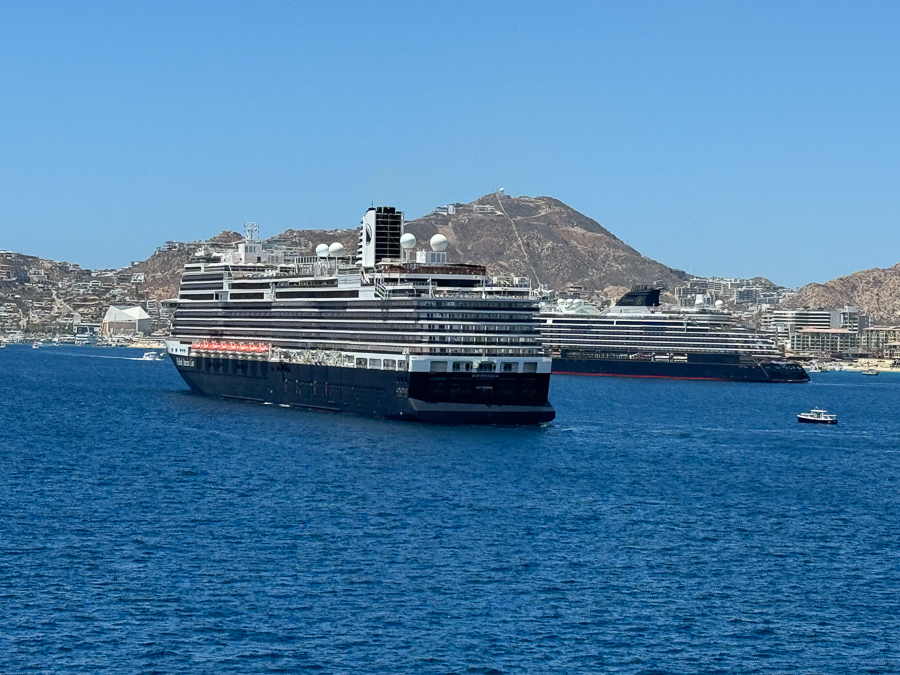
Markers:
783,321
891,350
879,337
739,291
86,329
815,341
37,276
123,320
746,296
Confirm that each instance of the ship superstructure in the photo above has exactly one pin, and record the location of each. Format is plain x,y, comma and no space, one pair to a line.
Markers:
637,337
393,332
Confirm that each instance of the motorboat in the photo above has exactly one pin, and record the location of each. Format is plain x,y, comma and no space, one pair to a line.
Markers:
150,356
817,416
870,371
37,345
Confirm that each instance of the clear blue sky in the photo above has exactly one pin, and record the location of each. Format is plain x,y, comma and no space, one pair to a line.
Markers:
719,137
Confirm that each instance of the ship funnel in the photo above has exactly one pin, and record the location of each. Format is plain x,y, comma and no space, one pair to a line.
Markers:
379,237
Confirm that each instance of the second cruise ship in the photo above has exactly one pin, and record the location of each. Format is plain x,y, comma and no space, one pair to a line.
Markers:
637,337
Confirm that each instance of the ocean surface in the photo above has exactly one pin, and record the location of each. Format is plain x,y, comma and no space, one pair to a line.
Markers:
655,527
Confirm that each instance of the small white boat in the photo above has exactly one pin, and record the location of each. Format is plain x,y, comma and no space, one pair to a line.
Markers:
870,371
37,345
817,416
150,356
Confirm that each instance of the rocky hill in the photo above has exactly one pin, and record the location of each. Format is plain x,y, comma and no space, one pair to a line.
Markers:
307,240
876,292
541,238
162,270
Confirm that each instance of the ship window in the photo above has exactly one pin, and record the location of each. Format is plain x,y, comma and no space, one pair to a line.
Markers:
401,365
487,367
510,367
390,364
438,366
462,366
374,363
362,363
529,367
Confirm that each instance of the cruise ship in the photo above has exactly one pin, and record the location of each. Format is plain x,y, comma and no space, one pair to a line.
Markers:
637,337
392,332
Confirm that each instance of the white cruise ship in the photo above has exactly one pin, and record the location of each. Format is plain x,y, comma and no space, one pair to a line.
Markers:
637,337
394,332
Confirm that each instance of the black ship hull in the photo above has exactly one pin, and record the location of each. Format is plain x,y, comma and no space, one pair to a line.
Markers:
457,398
703,367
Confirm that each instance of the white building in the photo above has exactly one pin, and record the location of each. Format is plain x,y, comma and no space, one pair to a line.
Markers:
123,320
784,321
879,337
823,341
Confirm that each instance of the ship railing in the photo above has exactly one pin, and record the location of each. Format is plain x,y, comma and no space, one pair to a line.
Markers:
477,351
421,351
431,291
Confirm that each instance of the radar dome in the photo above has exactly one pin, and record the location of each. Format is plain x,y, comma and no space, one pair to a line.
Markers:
336,249
439,243
719,304
408,240
322,250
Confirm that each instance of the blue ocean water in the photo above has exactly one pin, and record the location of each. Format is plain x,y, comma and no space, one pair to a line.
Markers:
655,527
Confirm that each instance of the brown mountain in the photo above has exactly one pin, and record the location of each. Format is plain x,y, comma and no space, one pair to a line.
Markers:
876,292
307,240
162,270
541,238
